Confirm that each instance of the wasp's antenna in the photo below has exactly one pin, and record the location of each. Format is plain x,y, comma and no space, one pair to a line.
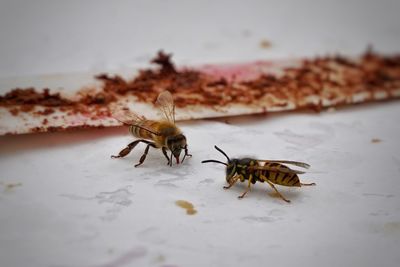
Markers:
213,160
220,150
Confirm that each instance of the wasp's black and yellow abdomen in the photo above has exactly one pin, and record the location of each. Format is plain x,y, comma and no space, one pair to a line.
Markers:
281,177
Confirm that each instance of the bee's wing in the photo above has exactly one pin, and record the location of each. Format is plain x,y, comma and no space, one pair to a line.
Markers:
127,117
296,163
165,103
276,169
131,118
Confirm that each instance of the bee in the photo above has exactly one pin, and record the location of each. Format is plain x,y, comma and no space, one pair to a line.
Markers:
269,171
162,133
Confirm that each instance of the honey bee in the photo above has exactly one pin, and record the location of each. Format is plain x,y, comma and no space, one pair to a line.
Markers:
162,133
269,171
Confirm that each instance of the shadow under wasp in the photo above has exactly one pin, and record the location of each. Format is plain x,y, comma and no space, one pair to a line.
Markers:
255,170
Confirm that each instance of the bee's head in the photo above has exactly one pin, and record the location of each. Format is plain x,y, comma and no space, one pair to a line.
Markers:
231,166
176,143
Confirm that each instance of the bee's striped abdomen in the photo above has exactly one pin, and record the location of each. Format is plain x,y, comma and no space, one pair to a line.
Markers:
139,132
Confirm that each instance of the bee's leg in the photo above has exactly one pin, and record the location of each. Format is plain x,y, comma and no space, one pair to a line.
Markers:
164,151
129,148
276,190
248,187
307,184
170,160
143,157
186,154
234,180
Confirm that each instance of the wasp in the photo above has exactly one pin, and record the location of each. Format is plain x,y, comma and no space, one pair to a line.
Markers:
254,170
158,134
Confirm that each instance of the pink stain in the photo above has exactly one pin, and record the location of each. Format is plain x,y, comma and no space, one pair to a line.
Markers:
236,72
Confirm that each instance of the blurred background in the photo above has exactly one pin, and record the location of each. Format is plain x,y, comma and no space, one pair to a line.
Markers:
46,36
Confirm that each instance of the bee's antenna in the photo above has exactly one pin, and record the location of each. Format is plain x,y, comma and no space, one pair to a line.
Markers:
220,150
213,160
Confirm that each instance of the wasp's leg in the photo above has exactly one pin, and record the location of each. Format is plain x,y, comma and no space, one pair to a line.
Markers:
276,190
164,151
129,148
143,157
234,180
248,187
308,184
186,154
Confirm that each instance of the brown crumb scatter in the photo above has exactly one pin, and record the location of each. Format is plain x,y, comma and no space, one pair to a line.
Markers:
14,111
164,60
376,140
335,78
30,96
46,111
315,77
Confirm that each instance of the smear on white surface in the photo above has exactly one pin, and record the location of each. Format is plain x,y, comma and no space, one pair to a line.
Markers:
115,201
126,258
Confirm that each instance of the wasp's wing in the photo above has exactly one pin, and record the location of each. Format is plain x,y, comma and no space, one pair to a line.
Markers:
165,103
276,169
296,163
131,118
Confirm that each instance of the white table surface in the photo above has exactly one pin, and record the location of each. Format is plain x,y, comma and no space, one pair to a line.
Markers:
74,206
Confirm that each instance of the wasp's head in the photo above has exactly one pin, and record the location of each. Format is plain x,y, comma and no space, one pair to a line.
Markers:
231,166
231,169
176,143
